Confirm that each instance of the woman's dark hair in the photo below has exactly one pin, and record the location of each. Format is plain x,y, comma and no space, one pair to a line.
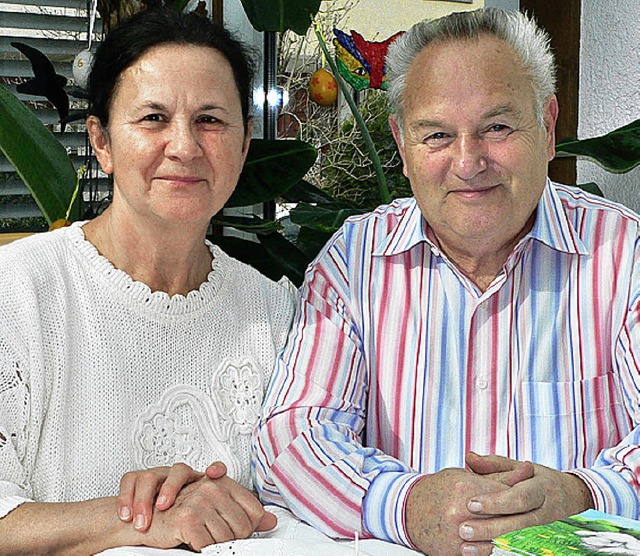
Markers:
125,44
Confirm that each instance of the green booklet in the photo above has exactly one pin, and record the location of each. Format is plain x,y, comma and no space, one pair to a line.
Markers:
590,533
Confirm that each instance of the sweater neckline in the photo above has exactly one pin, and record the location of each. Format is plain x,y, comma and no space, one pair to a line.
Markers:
139,293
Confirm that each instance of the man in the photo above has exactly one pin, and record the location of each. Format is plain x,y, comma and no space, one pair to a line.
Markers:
494,313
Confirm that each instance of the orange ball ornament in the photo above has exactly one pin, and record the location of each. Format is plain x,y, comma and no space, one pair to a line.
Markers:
323,88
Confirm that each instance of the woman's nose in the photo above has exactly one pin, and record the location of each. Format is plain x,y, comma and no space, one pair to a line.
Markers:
182,142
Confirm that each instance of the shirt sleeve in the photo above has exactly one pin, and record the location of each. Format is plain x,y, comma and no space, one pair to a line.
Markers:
14,411
614,479
308,450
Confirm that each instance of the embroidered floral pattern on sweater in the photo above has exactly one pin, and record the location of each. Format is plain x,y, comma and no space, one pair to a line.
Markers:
237,389
165,440
195,427
14,393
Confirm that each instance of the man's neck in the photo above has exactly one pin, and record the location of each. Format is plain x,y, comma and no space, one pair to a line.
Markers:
480,259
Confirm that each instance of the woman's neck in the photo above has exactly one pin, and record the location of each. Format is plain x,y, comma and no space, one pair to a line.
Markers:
173,259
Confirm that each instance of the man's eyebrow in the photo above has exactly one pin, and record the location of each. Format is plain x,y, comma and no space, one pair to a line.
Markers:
419,124
507,110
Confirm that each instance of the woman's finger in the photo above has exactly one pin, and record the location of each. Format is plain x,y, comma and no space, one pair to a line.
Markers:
147,485
180,475
216,470
125,497
268,522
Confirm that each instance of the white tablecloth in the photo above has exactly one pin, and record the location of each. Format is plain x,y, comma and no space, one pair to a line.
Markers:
290,537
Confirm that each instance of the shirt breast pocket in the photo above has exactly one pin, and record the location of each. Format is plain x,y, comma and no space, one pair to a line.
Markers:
566,424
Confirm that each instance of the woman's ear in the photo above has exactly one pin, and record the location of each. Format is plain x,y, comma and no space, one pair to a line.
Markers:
247,138
100,142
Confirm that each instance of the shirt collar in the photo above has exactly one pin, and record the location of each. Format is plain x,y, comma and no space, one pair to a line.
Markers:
407,233
551,227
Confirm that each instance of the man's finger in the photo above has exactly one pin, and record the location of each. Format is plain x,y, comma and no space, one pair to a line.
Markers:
519,474
505,470
522,498
483,530
485,465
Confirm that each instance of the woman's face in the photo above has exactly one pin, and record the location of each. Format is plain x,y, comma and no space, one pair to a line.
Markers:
175,142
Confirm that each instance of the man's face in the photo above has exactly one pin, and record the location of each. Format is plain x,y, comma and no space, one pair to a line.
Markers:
473,148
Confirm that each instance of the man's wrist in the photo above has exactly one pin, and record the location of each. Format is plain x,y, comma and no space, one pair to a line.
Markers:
611,491
583,497
384,506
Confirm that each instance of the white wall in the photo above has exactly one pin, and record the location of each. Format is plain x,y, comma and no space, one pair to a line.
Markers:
376,20
502,4
609,86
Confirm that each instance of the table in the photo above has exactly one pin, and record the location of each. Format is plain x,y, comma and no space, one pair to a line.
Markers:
291,537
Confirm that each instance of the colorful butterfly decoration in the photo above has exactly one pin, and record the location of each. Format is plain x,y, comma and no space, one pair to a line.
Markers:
362,62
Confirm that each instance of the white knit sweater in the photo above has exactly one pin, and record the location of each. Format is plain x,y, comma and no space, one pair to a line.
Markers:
100,376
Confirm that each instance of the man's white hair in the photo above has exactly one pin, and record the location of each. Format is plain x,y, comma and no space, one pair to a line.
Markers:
530,43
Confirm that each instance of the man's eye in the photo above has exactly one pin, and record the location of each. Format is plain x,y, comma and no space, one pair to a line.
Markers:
436,138
499,128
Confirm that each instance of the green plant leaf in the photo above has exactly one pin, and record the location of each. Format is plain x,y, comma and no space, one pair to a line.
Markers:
40,160
303,191
271,169
286,255
254,225
617,151
321,218
281,15
591,187
274,255
179,5
251,253
311,241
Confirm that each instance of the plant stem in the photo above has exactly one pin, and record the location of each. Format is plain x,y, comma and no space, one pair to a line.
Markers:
385,196
80,172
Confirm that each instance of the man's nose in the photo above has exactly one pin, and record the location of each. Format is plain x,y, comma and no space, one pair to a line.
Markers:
469,156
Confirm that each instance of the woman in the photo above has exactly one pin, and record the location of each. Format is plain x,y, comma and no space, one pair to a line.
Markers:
130,342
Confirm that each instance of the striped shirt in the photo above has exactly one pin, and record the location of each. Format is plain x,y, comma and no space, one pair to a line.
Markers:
398,365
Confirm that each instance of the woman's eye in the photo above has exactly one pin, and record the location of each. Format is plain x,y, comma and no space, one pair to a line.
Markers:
207,119
153,118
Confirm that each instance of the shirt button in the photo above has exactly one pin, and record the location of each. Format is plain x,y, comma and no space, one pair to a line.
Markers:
481,383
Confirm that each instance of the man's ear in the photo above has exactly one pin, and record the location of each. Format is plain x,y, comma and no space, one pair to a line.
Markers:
550,119
100,142
397,135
